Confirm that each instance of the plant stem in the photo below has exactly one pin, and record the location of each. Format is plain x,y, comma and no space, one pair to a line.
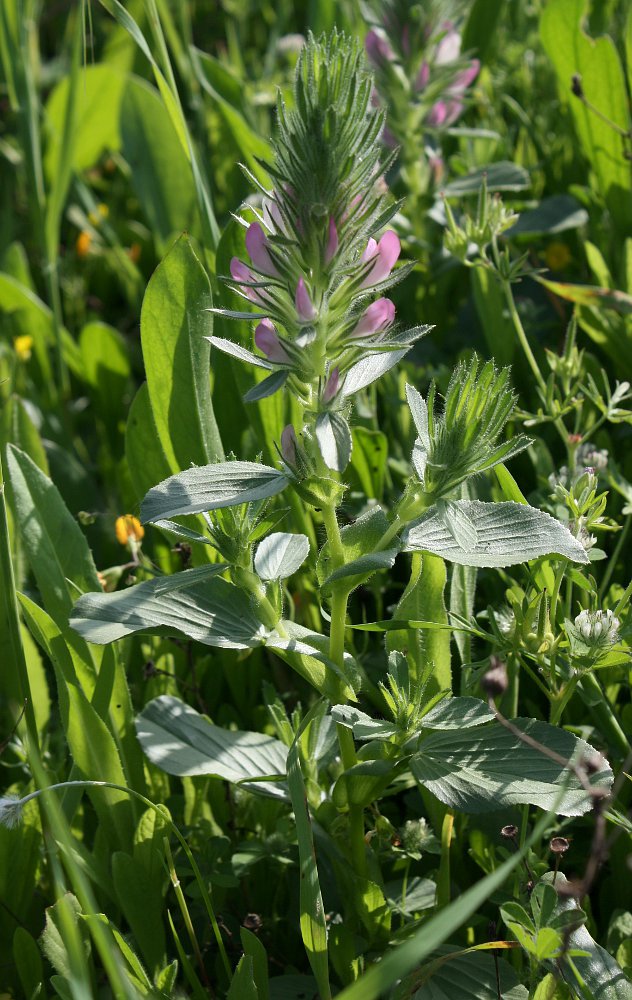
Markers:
593,696
336,652
184,910
526,347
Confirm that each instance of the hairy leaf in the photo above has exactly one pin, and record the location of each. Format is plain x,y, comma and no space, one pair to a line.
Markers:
507,533
209,487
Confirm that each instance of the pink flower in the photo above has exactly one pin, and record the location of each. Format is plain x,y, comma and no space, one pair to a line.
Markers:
332,241
378,48
331,386
267,340
449,48
446,111
303,303
240,273
385,254
375,319
257,247
288,444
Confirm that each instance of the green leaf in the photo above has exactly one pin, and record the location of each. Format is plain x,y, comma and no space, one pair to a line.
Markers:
508,533
360,562
473,975
280,555
601,973
369,457
555,214
312,920
255,949
267,387
57,551
18,428
195,603
488,768
236,350
96,124
160,172
141,902
369,369
146,460
90,741
359,570
66,953
28,962
242,986
418,894
307,653
434,932
106,368
173,328
503,176
182,742
17,298
334,440
210,487
572,52
363,726
490,305
457,713
428,649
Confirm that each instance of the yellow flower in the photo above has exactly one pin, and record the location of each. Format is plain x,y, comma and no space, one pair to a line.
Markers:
83,243
23,345
128,529
101,212
557,256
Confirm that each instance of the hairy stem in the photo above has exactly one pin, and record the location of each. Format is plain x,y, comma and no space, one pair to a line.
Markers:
336,652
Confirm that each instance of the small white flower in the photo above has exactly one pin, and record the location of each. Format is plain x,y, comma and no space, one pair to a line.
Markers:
588,456
598,627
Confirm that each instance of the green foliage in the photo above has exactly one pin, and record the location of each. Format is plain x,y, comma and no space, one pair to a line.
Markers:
257,575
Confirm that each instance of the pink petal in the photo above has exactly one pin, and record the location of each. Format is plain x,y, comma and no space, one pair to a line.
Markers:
375,319
449,48
240,273
257,247
332,241
378,48
437,114
370,252
331,386
463,79
303,303
288,444
388,250
267,340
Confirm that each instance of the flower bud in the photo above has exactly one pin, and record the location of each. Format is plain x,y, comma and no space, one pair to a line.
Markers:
257,247
599,628
267,340
375,319
304,306
385,254
331,386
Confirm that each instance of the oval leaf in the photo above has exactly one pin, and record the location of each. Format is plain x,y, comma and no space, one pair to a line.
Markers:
508,533
209,487
334,440
488,767
281,554
180,741
195,603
